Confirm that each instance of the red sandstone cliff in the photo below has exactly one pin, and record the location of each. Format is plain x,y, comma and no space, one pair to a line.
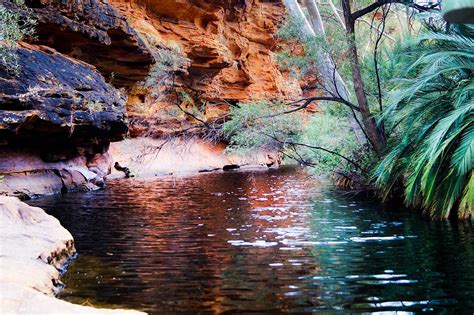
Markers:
83,74
230,46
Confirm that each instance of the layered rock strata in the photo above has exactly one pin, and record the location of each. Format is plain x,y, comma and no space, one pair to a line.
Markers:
82,74
59,114
94,32
59,103
230,47
57,118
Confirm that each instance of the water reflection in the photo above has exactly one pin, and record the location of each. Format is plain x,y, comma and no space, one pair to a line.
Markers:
258,242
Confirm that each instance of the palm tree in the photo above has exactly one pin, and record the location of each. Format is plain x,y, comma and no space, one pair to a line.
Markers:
433,111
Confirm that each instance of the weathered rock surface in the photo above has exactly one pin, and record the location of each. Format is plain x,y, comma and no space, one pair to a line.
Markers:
231,49
146,157
94,32
34,246
230,43
59,102
59,114
56,116
23,173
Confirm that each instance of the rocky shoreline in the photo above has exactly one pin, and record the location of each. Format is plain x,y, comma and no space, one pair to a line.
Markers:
148,157
34,248
25,175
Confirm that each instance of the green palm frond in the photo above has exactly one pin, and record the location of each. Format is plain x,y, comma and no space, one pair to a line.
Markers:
433,107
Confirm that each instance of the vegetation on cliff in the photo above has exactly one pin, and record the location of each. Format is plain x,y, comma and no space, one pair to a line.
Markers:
14,26
410,74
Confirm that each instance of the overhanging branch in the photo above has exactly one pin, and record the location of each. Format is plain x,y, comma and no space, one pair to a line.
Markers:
317,148
308,101
379,3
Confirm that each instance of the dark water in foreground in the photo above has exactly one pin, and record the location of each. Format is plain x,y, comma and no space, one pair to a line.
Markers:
258,242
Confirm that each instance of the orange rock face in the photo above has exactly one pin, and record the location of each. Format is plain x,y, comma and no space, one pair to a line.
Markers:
230,47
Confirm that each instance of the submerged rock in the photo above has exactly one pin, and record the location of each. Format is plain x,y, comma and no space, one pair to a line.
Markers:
34,248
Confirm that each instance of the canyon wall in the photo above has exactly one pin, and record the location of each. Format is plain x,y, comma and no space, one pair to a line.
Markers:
229,47
59,114
81,81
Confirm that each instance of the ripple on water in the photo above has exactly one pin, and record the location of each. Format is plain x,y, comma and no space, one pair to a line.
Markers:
262,242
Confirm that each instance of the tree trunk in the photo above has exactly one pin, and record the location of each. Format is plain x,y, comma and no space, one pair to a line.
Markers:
376,136
332,81
334,10
316,21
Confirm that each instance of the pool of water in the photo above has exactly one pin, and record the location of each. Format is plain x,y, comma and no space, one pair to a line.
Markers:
266,242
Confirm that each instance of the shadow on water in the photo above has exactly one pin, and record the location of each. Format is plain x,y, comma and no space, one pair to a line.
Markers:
273,241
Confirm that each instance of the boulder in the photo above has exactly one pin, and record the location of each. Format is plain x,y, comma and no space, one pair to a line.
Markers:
94,32
34,249
60,105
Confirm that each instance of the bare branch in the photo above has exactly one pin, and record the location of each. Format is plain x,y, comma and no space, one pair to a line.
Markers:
379,31
379,3
318,148
376,61
308,101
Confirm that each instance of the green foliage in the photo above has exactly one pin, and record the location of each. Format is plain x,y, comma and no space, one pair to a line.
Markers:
433,109
168,61
290,30
95,107
302,54
14,26
320,132
252,127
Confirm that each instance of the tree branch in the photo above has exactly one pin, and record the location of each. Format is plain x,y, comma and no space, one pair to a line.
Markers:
185,111
318,148
308,101
376,48
391,38
379,3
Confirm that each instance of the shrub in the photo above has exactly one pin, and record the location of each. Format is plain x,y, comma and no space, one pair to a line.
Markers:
168,61
254,126
334,134
14,26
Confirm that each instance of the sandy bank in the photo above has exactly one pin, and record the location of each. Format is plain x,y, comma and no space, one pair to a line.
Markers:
34,246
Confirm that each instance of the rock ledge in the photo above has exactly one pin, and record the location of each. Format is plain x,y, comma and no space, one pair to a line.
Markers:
34,246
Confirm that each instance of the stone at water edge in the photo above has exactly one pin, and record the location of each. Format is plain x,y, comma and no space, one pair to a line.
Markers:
33,246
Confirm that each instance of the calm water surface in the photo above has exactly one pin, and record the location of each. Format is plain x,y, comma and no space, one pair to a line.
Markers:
272,241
